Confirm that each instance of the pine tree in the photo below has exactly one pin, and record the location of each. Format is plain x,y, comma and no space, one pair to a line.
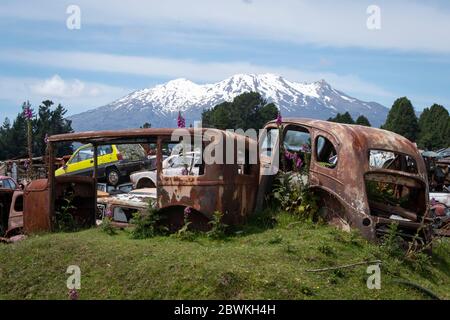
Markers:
363,121
248,110
434,124
402,119
342,118
13,138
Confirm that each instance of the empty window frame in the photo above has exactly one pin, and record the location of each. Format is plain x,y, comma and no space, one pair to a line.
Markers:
382,159
326,153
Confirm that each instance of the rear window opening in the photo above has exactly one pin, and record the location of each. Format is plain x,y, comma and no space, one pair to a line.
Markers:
394,197
18,204
381,159
326,153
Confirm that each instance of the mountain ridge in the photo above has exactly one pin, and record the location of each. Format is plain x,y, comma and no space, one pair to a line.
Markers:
159,105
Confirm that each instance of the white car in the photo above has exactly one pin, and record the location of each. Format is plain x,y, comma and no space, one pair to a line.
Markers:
174,165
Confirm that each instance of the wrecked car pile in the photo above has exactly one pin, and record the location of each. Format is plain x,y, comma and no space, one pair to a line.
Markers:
365,178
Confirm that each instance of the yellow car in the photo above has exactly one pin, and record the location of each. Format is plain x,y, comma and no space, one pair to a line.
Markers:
114,162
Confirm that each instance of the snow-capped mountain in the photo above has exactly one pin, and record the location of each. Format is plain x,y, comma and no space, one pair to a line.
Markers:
160,105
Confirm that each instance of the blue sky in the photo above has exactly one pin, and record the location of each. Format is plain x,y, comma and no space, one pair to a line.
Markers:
127,45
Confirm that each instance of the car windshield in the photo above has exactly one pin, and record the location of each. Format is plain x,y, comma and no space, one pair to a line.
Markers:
85,153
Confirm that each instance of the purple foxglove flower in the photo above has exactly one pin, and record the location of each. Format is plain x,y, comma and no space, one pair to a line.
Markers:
288,155
187,210
73,294
27,111
108,213
46,139
299,163
433,201
181,122
279,119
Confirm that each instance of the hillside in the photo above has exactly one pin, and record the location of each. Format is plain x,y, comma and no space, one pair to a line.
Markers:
256,262
160,105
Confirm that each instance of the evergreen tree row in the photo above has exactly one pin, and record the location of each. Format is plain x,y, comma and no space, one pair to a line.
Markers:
431,131
46,121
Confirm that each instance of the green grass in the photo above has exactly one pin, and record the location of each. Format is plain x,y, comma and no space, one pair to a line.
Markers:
254,263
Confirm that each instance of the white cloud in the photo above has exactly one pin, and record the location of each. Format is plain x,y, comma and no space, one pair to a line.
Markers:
405,25
175,68
57,87
74,94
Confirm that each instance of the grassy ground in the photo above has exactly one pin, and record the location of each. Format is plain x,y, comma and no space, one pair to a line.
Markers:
254,263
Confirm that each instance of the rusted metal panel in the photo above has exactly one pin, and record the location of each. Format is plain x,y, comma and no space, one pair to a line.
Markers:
36,216
221,188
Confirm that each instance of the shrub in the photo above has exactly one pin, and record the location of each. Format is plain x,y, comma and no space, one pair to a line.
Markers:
64,220
217,227
107,226
294,196
184,233
147,224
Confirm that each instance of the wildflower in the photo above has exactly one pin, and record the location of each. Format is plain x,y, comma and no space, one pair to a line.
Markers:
184,172
279,119
187,211
27,111
288,155
46,139
433,201
108,213
73,294
181,122
298,163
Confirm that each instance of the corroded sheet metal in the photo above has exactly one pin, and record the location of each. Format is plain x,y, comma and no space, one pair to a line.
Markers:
36,212
221,188
346,182
38,215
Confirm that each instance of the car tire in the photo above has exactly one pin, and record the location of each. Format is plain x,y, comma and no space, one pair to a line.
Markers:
112,176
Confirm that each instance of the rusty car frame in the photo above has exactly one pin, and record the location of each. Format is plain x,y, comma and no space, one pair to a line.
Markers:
346,184
228,188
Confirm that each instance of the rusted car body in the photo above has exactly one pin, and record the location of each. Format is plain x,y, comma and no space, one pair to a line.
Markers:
341,171
438,174
342,174
11,212
43,201
11,207
229,187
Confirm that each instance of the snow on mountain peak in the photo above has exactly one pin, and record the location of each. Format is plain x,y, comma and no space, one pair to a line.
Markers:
316,99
